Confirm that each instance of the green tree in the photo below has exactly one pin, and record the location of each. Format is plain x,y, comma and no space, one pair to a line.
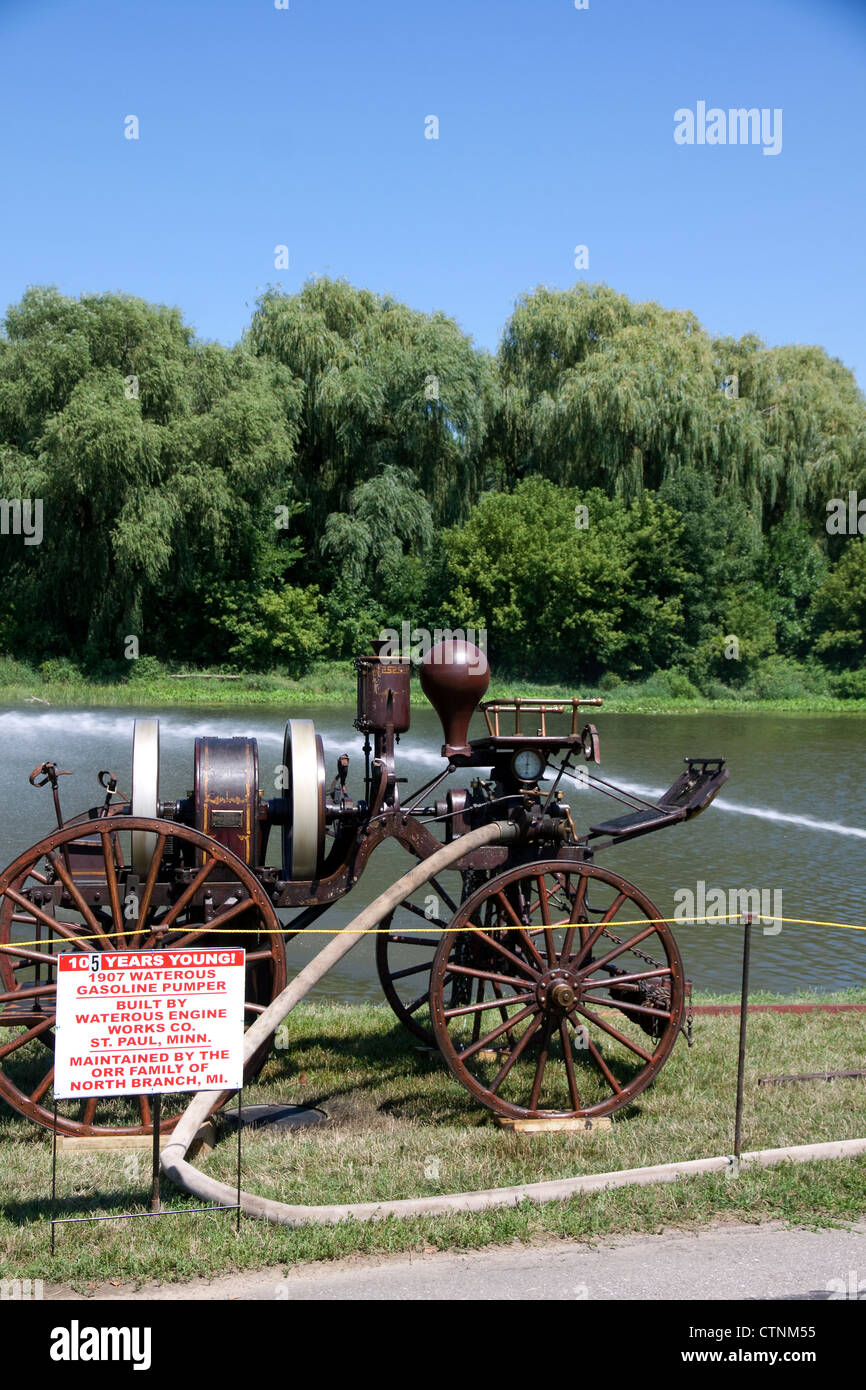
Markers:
156,458
377,548
813,419
838,611
383,385
561,598
599,391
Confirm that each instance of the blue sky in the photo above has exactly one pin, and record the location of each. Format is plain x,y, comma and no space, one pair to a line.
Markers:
305,127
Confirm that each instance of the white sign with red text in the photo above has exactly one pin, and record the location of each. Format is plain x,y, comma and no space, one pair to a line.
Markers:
138,1022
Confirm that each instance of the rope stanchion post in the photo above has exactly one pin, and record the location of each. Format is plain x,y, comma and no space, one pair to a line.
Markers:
741,1055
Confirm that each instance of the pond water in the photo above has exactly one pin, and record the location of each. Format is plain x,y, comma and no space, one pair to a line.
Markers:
791,821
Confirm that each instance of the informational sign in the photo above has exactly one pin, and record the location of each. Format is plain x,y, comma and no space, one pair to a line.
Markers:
132,1023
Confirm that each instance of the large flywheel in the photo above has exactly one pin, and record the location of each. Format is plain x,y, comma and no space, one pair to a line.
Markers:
304,831
145,788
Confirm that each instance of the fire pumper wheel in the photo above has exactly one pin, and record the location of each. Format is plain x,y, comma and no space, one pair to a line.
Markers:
558,990
407,941
145,788
71,892
304,834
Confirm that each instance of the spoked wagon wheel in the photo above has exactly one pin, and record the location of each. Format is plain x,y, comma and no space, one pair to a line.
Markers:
547,997
407,941
75,890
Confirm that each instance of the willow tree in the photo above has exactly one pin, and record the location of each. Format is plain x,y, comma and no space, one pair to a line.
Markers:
813,420
376,552
156,460
600,391
383,386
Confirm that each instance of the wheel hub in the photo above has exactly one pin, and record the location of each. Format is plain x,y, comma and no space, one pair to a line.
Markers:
558,990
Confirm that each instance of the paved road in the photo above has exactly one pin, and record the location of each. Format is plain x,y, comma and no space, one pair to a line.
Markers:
731,1262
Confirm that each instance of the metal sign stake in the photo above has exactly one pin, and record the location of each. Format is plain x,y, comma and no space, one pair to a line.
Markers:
156,1113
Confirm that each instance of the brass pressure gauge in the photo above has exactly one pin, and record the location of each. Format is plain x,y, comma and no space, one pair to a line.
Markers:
527,765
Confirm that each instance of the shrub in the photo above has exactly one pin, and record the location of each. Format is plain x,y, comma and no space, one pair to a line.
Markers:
13,672
145,669
59,670
849,685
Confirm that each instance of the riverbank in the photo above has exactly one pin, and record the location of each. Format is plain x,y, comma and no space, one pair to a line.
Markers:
333,683
400,1126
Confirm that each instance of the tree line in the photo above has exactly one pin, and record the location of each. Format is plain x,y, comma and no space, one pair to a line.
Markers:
615,493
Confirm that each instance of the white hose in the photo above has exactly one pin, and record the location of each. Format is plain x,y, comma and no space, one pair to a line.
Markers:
558,1190
173,1162
175,1166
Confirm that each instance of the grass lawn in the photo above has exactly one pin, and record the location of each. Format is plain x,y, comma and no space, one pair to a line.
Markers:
334,683
400,1126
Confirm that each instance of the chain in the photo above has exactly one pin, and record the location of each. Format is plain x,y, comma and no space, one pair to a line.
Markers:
635,950
656,964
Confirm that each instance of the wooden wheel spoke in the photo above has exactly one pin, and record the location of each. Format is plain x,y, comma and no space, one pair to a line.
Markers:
144,1108
569,1064
626,946
544,904
149,885
109,848
522,966
44,1086
614,1033
417,1002
410,970
443,893
520,928
619,980
487,1004
190,937
24,954
631,1008
577,961
497,1032
187,895
605,1070
523,936
453,969
541,1065
61,928
528,1035
578,910
22,1038
216,923
503,902
400,940
438,922
57,864
31,992
89,1114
